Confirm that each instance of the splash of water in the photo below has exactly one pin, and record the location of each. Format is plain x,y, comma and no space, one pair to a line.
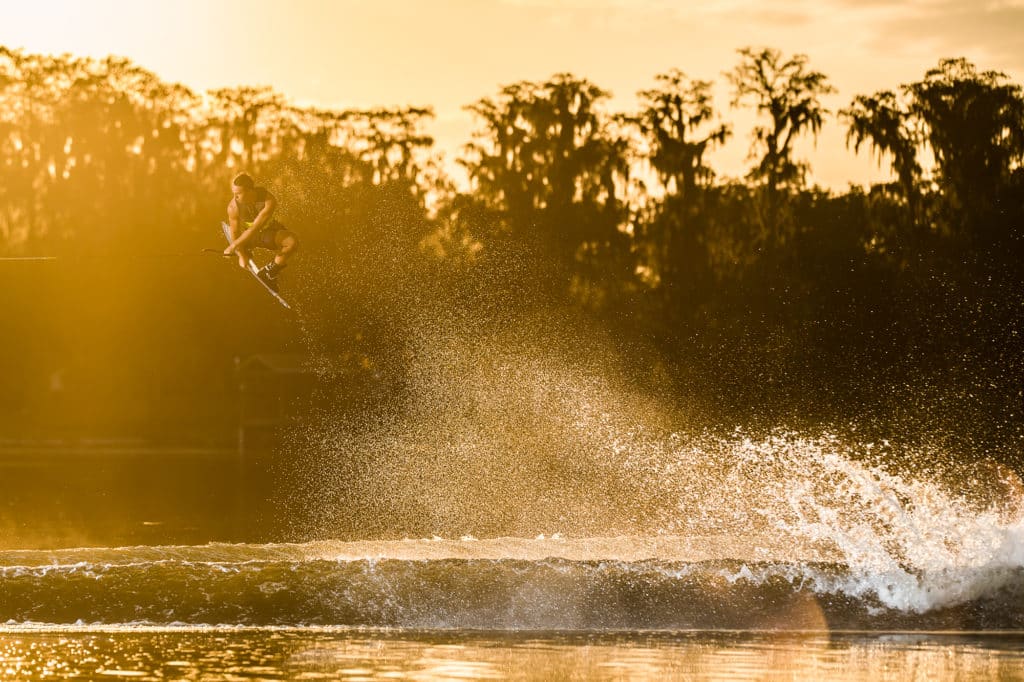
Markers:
914,541
498,438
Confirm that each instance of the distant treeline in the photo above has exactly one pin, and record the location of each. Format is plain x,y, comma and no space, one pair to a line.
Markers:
760,287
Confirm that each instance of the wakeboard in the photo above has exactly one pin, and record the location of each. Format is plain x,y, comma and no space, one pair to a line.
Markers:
253,269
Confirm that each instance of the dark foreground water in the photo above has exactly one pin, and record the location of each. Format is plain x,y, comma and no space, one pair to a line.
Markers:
232,654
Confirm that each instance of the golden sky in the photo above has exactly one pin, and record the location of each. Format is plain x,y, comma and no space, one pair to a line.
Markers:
449,53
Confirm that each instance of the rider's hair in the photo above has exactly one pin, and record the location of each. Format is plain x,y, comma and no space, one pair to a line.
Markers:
243,180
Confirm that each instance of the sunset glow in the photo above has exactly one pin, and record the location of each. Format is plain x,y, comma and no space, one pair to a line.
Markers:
449,54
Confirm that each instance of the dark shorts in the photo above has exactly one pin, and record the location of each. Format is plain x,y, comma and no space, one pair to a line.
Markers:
266,238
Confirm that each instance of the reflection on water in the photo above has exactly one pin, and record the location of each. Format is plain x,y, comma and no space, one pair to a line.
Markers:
373,655
67,497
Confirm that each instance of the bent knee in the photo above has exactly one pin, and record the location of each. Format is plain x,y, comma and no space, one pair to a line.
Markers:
290,243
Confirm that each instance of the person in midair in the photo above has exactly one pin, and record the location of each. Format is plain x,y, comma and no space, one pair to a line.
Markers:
251,224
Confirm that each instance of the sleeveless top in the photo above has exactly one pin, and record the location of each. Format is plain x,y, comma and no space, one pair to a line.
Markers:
248,211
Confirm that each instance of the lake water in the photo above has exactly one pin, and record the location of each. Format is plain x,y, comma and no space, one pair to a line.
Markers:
226,654
130,566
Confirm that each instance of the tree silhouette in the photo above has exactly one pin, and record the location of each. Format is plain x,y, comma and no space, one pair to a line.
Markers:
676,118
974,124
881,121
545,159
971,124
788,93
677,123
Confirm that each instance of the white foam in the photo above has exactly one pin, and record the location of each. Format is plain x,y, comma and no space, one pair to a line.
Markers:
913,543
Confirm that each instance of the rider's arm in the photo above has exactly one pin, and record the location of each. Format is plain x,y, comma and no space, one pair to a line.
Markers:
238,236
234,225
